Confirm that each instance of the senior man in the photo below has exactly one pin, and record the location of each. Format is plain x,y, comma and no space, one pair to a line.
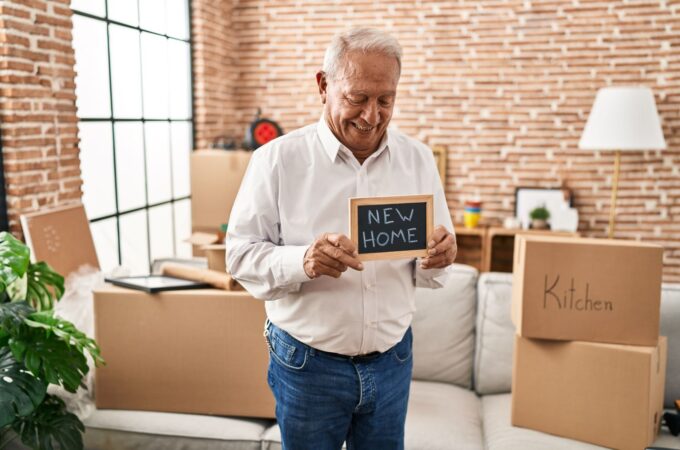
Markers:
338,329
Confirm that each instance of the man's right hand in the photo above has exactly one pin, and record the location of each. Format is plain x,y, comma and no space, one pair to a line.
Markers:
331,254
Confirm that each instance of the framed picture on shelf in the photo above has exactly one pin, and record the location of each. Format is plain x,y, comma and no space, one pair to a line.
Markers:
439,152
556,201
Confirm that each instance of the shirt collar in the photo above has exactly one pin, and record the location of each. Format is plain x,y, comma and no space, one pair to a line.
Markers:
332,145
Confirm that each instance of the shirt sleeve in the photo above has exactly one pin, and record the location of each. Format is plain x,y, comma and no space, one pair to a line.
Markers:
435,278
256,257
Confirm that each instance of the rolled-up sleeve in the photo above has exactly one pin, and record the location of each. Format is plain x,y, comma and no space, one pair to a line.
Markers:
255,256
435,278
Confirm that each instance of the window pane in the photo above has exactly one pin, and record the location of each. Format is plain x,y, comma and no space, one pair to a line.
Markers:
123,11
155,76
96,165
130,165
160,231
92,67
158,175
178,18
133,245
106,242
152,15
180,85
125,72
181,150
95,7
182,228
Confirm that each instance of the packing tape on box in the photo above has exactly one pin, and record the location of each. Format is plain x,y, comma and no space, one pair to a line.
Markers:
217,279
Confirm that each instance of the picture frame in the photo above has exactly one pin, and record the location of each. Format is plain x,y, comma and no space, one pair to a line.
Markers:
157,283
439,152
528,198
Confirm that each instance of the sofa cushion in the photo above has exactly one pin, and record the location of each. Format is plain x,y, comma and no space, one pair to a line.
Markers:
443,329
440,417
101,439
499,434
495,331
670,327
147,426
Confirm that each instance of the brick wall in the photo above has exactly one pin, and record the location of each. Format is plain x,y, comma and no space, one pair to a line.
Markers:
215,58
505,85
37,106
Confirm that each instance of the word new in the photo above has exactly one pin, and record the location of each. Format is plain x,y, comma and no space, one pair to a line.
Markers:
570,300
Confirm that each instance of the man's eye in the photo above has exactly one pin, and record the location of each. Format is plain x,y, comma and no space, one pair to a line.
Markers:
385,101
356,100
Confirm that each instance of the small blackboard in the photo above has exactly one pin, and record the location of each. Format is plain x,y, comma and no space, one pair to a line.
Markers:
391,227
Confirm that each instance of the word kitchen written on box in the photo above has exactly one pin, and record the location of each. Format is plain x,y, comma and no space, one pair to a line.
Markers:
391,227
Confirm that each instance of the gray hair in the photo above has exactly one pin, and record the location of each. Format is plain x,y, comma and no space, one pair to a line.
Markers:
366,40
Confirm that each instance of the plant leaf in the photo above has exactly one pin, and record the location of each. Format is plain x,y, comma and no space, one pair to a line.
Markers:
50,427
20,391
14,259
67,332
12,316
49,358
45,286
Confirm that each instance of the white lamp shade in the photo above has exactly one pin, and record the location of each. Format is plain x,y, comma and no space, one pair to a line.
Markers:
623,118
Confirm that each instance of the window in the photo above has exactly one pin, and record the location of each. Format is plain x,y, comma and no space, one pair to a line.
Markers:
133,88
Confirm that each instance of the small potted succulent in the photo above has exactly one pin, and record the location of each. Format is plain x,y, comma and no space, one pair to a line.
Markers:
539,218
37,349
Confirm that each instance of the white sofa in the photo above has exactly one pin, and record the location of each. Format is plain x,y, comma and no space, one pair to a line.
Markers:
460,396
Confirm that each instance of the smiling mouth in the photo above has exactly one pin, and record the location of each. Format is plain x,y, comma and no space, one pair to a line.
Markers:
362,129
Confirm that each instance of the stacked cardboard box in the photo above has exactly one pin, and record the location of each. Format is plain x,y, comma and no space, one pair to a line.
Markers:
215,180
588,361
195,351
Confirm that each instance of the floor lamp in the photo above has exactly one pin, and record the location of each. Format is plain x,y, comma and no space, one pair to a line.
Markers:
622,119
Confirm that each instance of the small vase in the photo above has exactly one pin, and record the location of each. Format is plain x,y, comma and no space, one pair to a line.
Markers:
539,224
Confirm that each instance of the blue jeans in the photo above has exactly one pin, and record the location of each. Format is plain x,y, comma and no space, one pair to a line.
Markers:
323,400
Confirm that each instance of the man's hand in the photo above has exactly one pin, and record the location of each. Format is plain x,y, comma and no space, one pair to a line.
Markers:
331,254
441,249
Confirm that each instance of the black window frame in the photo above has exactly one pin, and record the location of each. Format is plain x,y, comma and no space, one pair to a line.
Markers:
112,120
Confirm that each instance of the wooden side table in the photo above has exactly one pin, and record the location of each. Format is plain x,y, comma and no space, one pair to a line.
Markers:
499,247
491,249
471,245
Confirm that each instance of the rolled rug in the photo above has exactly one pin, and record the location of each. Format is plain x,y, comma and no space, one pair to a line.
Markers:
217,279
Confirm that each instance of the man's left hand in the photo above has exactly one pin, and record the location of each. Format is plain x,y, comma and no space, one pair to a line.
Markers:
441,249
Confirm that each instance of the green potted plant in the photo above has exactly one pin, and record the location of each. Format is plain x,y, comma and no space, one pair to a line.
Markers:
37,349
539,218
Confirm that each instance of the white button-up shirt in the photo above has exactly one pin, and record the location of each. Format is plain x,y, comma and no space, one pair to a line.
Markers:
296,188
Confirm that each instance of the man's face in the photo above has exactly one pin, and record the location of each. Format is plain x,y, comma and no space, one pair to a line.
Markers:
358,104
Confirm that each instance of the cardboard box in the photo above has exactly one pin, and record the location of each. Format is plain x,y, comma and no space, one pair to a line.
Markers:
61,237
196,351
587,289
200,239
217,257
605,394
215,180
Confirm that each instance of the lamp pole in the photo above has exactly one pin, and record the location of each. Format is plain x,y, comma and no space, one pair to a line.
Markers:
615,187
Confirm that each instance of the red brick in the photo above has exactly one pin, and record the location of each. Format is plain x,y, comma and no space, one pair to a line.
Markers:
52,20
14,12
14,39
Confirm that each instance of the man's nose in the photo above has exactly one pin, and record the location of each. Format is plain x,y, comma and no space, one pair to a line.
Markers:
371,113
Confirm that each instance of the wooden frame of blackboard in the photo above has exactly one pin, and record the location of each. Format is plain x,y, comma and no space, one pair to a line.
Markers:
354,204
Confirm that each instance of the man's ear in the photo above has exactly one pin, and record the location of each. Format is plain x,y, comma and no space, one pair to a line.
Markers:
323,85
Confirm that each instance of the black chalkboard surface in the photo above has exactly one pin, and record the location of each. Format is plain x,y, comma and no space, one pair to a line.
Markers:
391,227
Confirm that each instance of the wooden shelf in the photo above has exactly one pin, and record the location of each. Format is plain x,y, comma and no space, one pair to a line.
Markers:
492,249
